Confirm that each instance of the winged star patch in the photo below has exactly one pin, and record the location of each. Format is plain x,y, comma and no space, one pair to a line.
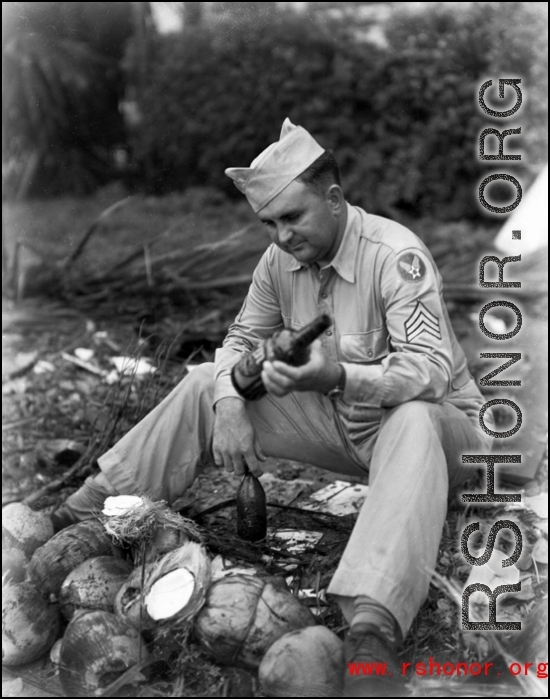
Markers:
421,321
411,267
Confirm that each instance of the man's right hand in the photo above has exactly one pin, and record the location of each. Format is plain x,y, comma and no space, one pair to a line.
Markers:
235,443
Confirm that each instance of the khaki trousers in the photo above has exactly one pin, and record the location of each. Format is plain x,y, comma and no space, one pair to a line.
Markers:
411,455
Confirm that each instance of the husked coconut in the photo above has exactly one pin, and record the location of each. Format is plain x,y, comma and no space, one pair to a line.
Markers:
14,565
96,649
174,589
93,585
29,528
243,615
8,540
30,624
52,562
224,621
305,663
150,528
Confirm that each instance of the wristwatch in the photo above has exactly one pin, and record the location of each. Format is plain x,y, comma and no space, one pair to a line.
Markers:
338,390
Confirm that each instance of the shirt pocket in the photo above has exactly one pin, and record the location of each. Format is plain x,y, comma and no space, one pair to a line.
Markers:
365,347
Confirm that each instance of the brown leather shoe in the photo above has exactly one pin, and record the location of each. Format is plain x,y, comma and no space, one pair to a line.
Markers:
372,665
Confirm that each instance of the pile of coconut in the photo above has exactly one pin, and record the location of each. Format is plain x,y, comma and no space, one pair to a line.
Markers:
104,596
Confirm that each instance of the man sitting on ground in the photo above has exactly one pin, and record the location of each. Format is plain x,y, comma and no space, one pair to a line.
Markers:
386,393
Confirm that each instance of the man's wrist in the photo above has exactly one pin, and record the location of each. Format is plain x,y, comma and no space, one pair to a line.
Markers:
338,381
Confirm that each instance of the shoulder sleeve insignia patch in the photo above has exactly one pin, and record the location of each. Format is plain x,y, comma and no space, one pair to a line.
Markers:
411,267
421,321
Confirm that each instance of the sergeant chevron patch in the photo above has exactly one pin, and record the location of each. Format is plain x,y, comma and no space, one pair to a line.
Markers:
421,321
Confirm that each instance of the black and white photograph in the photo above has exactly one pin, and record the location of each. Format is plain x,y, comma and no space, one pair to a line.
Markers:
274,349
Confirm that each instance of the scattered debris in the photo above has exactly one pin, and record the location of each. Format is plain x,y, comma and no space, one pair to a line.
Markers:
87,366
43,366
222,567
338,498
84,353
538,504
293,541
137,366
540,551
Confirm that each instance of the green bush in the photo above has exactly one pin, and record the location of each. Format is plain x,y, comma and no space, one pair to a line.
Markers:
62,83
403,119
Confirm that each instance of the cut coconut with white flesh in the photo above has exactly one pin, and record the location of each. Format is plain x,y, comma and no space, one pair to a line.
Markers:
181,577
117,505
170,594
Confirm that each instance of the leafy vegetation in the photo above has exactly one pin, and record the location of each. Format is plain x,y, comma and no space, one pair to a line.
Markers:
403,118
62,83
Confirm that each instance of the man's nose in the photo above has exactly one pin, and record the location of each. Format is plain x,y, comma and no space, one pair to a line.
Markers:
285,234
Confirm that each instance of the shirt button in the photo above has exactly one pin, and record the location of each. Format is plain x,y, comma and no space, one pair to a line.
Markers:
369,353
329,332
324,296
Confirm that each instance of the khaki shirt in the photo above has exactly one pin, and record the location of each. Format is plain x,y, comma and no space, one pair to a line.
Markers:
391,330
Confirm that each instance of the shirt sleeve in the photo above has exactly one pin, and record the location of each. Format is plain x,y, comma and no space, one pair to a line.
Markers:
259,317
420,365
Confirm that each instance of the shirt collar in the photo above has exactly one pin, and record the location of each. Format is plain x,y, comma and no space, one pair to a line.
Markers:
346,255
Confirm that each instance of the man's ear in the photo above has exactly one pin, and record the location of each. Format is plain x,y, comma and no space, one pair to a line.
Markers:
335,198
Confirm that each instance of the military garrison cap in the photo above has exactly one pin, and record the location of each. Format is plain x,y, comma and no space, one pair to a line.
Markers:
277,166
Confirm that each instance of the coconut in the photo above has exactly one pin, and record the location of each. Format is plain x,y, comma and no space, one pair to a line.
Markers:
173,592
29,624
146,526
165,539
97,648
14,565
243,615
55,652
305,663
29,528
93,585
52,562
8,540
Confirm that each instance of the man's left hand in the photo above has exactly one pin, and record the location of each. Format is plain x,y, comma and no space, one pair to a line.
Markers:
319,374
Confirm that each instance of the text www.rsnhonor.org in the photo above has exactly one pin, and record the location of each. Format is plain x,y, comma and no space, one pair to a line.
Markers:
461,669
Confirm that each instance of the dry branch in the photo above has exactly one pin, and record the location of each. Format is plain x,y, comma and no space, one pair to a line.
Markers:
92,229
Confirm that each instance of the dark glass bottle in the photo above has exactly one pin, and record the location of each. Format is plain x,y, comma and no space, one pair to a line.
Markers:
290,346
251,509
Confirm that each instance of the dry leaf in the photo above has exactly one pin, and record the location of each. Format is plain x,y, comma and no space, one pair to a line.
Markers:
540,551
